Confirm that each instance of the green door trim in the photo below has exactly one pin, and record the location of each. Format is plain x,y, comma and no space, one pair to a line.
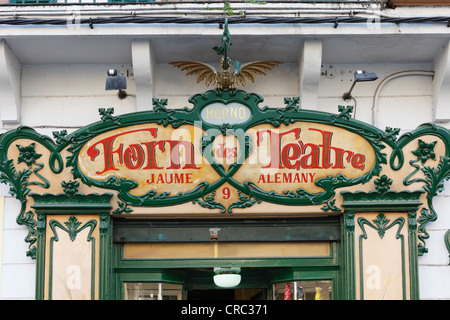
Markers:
279,269
275,275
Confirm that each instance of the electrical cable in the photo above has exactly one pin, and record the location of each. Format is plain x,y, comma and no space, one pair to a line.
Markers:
335,21
389,78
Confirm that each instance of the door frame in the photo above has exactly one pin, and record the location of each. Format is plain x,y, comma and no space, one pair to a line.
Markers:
279,269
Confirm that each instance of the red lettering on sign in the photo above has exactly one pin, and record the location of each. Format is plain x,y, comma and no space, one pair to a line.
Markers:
302,155
175,146
224,152
109,152
286,177
294,154
169,178
275,145
135,155
151,151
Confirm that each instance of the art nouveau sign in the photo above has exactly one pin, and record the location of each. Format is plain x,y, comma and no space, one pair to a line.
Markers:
284,156
226,154
166,165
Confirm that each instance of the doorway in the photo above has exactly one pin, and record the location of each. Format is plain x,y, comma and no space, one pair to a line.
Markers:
174,266
281,284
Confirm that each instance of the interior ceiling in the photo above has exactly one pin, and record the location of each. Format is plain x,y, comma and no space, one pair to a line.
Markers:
117,50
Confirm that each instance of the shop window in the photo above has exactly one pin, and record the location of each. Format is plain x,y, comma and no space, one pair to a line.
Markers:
302,290
152,291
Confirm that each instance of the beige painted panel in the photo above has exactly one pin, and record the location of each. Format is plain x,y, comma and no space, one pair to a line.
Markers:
71,261
225,250
380,265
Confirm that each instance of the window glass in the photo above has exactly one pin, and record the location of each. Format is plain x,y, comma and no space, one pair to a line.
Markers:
302,290
152,291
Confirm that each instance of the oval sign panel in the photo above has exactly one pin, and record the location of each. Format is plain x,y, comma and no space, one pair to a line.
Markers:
155,159
288,158
220,113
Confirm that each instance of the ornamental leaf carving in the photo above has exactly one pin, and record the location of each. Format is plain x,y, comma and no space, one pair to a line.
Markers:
381,222
383,184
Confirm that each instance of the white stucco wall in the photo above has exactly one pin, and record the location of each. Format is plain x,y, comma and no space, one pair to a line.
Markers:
68,96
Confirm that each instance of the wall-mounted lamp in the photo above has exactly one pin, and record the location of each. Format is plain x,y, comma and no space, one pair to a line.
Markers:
227,277
114,81
360,76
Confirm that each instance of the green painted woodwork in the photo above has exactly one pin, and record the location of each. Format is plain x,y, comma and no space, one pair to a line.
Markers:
391,201
383,184
137,230
348,250
80,203
29,156
71,201
105,256
413,261
40,256
434,183
447,242
434,176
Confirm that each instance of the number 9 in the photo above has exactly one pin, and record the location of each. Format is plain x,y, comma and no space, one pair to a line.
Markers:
226,193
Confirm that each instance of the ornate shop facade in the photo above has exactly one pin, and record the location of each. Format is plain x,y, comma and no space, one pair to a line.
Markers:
218,195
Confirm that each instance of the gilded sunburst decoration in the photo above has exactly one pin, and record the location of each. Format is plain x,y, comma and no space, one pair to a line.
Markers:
226,78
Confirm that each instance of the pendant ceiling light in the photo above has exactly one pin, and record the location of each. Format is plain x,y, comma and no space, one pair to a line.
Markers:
227,277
